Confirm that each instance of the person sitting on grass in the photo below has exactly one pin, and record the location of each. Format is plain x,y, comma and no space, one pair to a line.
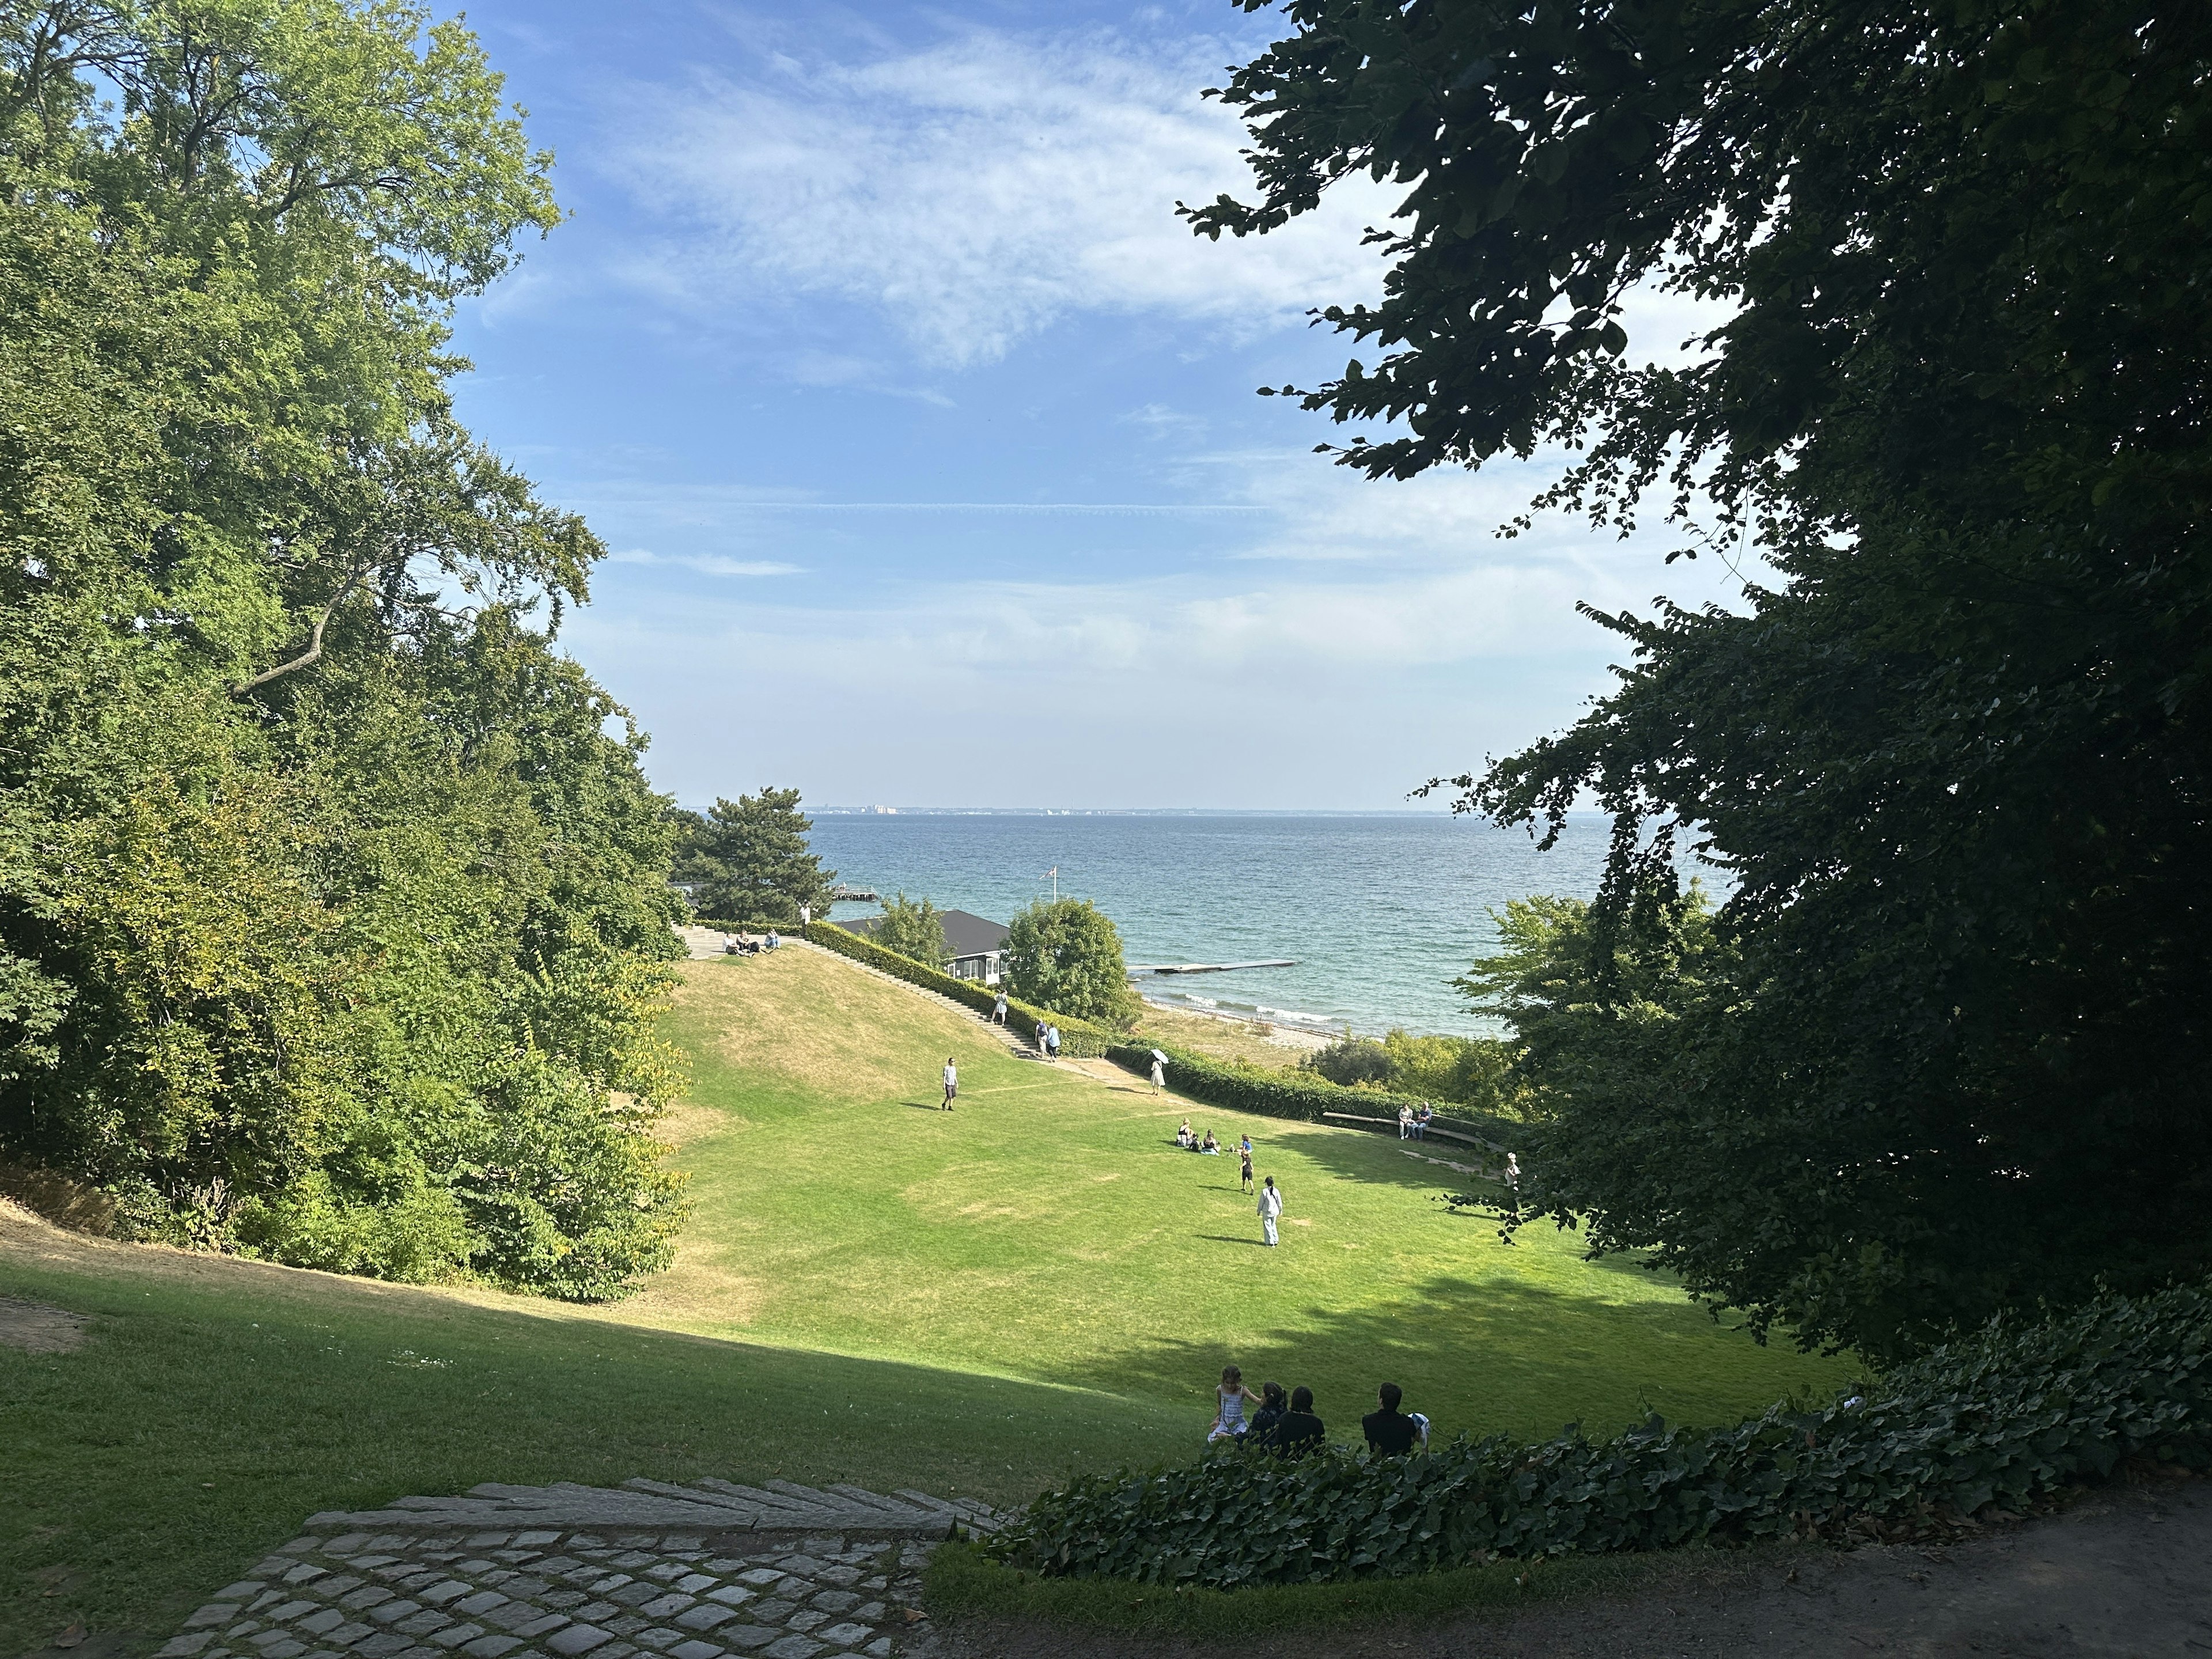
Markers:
1298,1432
773,941
1272,1407
1230,1400
1183,1136
1210,1145
1390,1433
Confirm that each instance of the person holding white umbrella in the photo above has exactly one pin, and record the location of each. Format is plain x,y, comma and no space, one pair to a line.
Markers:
1159,1071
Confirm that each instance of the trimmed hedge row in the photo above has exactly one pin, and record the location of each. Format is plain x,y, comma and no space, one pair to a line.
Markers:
1289,1094
1995,1421
1079,1039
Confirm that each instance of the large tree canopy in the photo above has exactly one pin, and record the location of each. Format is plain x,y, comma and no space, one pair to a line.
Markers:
1952,1042
331,920
747,860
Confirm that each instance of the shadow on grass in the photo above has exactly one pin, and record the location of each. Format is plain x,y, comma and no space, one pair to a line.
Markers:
961,1581
1381,1160
1224,1238
1526,1358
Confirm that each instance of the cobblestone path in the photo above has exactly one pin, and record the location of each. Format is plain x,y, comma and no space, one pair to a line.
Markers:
423,1588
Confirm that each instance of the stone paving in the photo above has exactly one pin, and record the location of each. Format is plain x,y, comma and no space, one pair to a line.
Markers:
421,1587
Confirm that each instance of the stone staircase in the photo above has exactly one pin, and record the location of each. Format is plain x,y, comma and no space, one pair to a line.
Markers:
712,1504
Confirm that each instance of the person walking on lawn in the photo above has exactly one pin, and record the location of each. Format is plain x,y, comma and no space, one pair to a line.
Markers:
1271,1207
1052,1043
1244,1163
1159,1072
951,1082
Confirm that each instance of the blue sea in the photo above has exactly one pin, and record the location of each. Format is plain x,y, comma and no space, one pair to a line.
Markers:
1380,911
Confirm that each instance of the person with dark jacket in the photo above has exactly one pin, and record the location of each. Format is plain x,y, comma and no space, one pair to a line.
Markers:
1390,1433
1271,1407
1299,1431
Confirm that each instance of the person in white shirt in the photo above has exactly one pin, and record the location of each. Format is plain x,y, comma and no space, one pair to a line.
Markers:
1159,1074
951,1082
1270,1205
998,1010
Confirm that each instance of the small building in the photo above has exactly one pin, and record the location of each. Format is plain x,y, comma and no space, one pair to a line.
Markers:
975,942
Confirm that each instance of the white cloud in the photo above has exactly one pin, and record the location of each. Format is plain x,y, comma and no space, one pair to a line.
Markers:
707,564
974,190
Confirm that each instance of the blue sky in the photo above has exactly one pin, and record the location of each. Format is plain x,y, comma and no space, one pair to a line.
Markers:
925,440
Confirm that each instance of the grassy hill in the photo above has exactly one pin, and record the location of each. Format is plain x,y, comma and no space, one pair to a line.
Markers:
870,1291
1049,1228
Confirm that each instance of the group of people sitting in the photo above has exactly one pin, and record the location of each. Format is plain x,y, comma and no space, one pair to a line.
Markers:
743,945
1413,1124
1286,1426
1191,1143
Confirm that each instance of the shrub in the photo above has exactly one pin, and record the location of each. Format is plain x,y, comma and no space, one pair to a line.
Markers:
915,929
1997,1420
1299,1095
1350,1061
1079,1039
1067,953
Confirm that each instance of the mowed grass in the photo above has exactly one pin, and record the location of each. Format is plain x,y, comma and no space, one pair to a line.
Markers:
870,1291
219,1402
1049,1229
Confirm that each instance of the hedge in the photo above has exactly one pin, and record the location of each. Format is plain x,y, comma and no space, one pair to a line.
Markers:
1080,1039
1289,1094
1997,1421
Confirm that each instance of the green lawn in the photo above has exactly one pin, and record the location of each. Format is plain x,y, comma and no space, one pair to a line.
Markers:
1050,1229
870,1291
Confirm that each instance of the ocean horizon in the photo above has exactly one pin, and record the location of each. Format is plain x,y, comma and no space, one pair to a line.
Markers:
1378,910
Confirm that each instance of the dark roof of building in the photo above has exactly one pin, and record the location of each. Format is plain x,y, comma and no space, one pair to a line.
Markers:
965,933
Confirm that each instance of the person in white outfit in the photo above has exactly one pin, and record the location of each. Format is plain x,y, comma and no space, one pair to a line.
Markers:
951,1082
1270,1205
1159,1074
1230,1400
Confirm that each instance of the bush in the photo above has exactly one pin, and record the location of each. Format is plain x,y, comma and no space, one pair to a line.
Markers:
1245,1088
1350,1062
1067,953
1467,1071
1079,1039
915,929
1997,1421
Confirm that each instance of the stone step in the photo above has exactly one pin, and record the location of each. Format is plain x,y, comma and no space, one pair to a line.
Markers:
716,1505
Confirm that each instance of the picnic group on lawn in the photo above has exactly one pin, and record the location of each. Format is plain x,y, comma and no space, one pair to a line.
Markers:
1286,1426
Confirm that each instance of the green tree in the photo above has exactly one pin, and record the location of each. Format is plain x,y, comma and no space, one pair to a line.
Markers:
749,861
1065,955
1952,754
332,919
913,928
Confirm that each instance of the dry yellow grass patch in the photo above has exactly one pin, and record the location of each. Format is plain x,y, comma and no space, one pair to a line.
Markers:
815,1019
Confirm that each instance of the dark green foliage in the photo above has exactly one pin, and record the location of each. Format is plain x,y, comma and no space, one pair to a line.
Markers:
332,921
913,928
1079,1039
1271,1093
1954,755
1350,1061
1067,954
2003,1418
749,857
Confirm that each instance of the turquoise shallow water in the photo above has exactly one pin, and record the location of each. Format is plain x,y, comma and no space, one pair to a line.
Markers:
1380,910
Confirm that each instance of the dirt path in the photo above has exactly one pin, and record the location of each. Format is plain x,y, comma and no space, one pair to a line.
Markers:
2127,1571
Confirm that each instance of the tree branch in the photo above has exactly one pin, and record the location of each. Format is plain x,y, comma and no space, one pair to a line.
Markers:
313,653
